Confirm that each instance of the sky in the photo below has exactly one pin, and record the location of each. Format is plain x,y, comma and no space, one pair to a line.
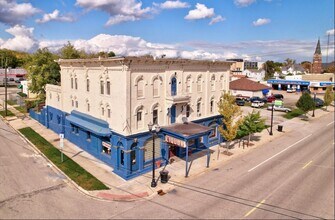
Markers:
256,30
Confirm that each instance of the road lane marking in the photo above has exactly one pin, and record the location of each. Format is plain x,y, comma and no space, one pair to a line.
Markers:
279,153
307,164
258,205
330,123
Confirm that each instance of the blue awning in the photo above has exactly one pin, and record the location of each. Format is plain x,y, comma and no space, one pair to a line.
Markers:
89,123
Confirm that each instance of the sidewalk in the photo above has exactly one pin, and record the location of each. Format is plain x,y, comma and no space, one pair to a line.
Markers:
139,187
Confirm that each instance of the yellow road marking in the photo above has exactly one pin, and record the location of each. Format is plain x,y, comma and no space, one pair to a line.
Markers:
258,205
307,164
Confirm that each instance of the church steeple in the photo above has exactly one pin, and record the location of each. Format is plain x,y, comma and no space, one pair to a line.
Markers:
318,48
317,59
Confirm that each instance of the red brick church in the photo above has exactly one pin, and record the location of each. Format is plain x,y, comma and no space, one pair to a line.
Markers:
317,59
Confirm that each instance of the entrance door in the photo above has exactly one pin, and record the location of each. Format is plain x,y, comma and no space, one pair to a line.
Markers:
173,86
173,114
133,157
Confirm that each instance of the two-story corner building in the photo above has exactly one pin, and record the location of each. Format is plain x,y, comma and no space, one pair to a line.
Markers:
105,105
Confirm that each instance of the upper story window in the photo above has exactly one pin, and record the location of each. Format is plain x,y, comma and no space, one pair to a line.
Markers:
50,95
156,87
102,111
188,110
58,98
72,103
108,112
213,83
188,84
101,87
222,80
71,83
199,84
75,83
140,88
108,87
76,104
88,107
87,85
139,119
212,105
155,116
199,108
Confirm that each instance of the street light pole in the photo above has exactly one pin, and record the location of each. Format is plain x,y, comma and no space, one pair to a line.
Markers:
313,115
153,132
272,119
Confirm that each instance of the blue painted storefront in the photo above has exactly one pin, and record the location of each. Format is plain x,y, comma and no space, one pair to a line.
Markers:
126,154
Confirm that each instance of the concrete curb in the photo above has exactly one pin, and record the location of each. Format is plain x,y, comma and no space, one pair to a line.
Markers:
100,196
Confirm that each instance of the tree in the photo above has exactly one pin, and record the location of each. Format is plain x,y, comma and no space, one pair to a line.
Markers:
329,96
307,66
270,68
289,62
42,70
111,54
69,52
231,118
252,123
305,103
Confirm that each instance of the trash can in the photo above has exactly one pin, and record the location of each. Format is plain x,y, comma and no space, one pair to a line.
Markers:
280,128
164,176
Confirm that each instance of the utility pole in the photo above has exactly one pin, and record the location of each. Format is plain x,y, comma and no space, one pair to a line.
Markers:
5,86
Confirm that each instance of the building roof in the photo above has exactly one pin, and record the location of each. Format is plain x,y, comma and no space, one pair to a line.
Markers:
247,85
187,129
318,48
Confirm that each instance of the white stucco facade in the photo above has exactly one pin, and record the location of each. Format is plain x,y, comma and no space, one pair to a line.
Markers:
130,92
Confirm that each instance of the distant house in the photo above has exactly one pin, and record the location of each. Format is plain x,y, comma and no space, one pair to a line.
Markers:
255,75
295,69
248,88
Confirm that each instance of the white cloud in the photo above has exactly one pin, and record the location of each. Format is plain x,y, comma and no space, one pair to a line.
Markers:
244,3
200,12
331,32
12,13
119,10
261,21
217,19
55,16
173,5
23,39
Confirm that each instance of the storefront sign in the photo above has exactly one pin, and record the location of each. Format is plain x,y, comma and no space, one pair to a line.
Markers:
175,141
106,144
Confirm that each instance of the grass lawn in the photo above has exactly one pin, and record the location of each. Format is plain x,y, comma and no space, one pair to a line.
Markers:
9,113
294,113
83,178
21,109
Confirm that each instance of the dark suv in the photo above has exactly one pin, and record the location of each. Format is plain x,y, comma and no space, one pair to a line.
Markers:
278,96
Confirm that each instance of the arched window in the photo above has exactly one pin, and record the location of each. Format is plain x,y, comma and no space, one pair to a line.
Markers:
222,82
213,82
188,110
199,108
155,115
140,88
108,87
156,87
211,104
88,106
188,84
173,86
75,83
139,118
87,84
199,84
108,111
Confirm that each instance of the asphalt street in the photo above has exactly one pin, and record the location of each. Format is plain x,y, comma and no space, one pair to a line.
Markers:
291,177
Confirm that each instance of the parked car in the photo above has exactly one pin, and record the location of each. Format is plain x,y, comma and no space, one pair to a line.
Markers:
290,90
245,98
257,104
279,108
255,98
278,96
270,98
318,102
239,101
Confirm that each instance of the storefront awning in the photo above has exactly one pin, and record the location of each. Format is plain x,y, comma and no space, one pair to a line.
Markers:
89,123
187,131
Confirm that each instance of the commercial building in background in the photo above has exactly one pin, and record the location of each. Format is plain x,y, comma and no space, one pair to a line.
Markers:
105,105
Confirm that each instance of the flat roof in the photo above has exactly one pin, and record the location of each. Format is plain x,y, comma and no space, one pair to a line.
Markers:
187,129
